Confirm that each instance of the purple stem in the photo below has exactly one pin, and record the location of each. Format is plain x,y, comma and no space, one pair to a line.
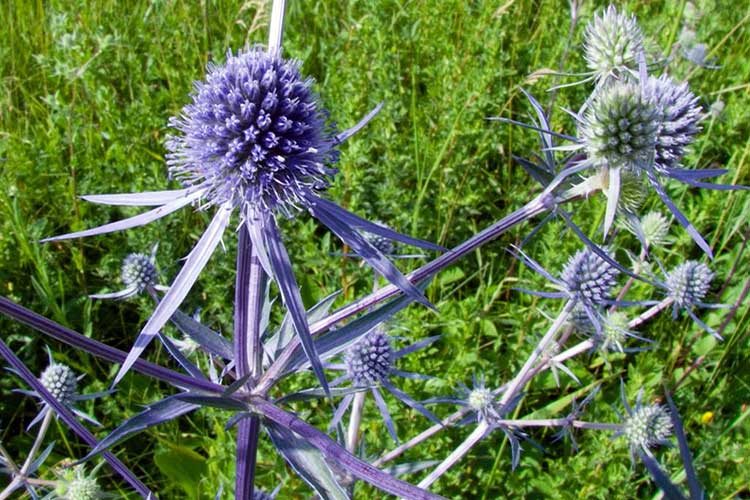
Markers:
248,297
72,338
535,207
335,453
70,419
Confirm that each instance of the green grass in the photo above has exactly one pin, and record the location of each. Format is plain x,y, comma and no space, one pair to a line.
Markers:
85,95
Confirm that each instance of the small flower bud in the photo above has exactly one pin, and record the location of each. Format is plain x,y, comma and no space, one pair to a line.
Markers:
138,270
83,489
688,283
633,191
385,245
613,42
480,399
369,361
76,485
61,382
647,426
588,277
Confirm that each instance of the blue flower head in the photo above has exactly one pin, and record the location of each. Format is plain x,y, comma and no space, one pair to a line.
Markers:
254,140
254,135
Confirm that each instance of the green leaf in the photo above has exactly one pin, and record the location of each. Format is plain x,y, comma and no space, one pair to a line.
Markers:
183,466
306,461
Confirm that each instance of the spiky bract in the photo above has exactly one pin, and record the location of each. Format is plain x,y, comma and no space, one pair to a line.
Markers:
688,283
613,42
254,135
61,382
369,361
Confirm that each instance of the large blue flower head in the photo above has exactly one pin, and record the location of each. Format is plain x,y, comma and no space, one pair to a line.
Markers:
254,135
254,140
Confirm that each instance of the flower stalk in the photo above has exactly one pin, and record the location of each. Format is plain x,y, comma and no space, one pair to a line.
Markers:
249,291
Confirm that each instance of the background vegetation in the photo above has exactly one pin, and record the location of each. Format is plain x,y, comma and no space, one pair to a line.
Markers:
85,95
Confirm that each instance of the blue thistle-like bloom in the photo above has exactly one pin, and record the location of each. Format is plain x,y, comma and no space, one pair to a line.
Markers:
386,245
644,128
688,283
589,278
586,280
369,361
370,364
620,128
254,140
612,43
138,273
648,426
479,399
62,383
254,135
678,123
644,426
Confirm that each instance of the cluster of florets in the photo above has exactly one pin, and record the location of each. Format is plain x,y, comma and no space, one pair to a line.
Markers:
620,129
139,271
75,484
653,228
254,135
614,331
385,245
61,382
613,42
688,283
369,361
647,426
480,399
588,278
678,123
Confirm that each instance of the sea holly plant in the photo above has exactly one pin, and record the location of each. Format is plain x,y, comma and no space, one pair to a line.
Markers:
254,146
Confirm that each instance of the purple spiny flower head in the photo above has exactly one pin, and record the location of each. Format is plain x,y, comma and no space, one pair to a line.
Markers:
678,124
61,382
588,278
620,129
254,135
369,361
138,271
613,42
688,283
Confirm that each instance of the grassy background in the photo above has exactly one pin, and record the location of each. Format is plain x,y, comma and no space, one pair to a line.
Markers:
85,96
